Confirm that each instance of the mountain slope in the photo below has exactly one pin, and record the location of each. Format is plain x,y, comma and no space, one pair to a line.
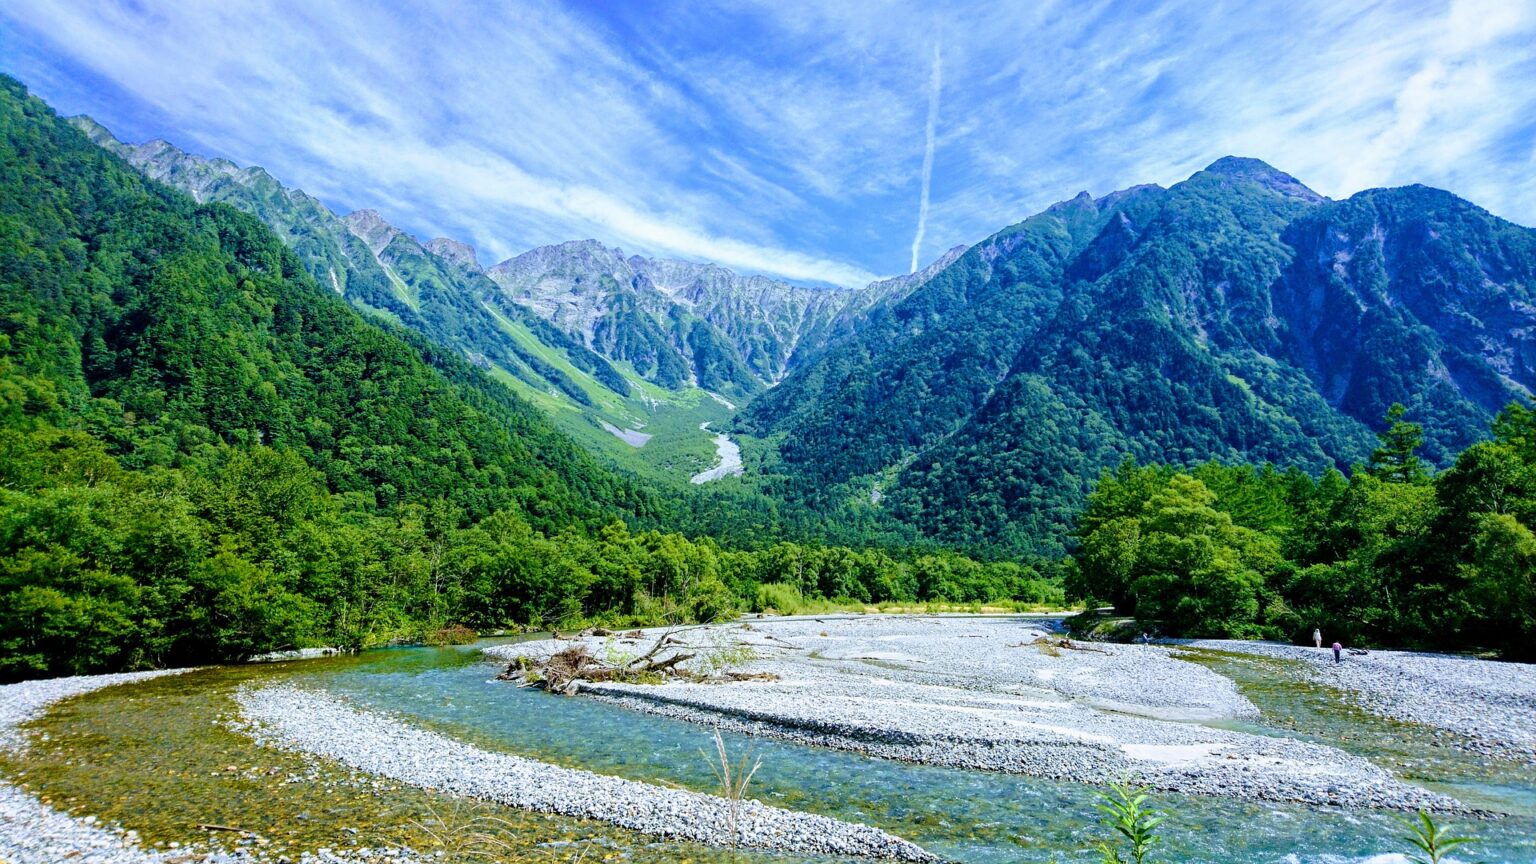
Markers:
440,290
373,264
1237,316
915,372
676,322
175,328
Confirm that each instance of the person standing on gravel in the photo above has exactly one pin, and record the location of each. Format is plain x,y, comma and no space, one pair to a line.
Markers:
1337,649
1317,636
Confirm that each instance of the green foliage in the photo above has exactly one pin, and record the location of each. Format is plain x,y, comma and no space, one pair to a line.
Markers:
1387,556
1175,557
1396,459
1432,840
778,597
1127,813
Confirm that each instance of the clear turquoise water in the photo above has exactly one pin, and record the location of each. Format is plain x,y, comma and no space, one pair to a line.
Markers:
968,816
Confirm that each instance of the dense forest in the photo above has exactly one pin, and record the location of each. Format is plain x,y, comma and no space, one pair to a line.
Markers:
205,455
1388,556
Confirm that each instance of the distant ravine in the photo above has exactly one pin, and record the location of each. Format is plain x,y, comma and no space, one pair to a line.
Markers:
730,458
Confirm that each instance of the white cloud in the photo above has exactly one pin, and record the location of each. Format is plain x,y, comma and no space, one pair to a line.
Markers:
776,135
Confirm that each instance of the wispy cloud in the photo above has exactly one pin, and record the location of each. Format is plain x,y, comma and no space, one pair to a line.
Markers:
776,135
935,84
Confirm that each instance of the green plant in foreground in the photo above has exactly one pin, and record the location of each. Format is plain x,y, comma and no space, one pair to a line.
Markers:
733,780
1129,815
1431,839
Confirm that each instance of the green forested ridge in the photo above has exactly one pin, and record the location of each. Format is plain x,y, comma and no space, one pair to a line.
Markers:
375,266
1235,316
1389,556
205,454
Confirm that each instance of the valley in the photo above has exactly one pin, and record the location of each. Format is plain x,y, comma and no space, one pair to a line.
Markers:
780,475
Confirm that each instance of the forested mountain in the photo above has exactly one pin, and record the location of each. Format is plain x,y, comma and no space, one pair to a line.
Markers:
437,290
198,438
607,344
1237,316
206,453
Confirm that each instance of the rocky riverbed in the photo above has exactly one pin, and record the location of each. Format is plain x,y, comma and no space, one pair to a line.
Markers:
1001,694
31,832
728,453
1487,707
316,723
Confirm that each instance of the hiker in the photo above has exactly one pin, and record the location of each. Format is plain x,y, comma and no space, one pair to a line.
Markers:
1337,649
1317,636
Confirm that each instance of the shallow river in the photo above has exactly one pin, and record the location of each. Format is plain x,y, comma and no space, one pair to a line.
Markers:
964,815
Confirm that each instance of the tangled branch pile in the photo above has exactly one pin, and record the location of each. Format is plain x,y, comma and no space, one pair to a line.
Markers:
564,671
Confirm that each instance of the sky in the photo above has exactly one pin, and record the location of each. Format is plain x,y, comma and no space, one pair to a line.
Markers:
822,143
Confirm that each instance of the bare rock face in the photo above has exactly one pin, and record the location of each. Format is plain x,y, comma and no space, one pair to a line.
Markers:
456,252
1438,281
684,321
371,228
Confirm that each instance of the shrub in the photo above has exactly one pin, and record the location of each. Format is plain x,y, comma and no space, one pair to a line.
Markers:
778,597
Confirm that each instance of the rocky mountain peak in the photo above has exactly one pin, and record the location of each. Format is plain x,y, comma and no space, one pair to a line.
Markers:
1264,174
371,228
94,131
456,251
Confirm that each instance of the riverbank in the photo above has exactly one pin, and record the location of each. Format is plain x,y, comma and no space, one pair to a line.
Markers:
317,724
31,832
1484,707
1003,695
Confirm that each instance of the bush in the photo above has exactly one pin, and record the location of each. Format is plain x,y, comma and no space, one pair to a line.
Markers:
454,634
778,597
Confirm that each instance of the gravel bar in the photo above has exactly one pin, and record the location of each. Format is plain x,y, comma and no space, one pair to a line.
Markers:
1487,706
318,724
991,694
31,832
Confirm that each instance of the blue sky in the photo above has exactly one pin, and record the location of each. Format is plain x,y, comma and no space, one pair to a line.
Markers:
819,142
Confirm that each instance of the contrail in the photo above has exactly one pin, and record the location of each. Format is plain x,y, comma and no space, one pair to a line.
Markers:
935,81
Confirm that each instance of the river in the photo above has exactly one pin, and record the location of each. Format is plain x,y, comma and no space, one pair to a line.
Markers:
966,816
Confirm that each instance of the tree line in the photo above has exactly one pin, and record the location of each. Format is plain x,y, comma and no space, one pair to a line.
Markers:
1390,555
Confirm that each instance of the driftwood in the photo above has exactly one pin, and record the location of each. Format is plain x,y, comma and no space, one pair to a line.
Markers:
564,671
1063,642
1074,646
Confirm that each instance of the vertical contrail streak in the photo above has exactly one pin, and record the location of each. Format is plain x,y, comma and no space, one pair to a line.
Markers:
935,81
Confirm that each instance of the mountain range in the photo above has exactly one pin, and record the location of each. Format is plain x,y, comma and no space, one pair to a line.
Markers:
606,342
1237,316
